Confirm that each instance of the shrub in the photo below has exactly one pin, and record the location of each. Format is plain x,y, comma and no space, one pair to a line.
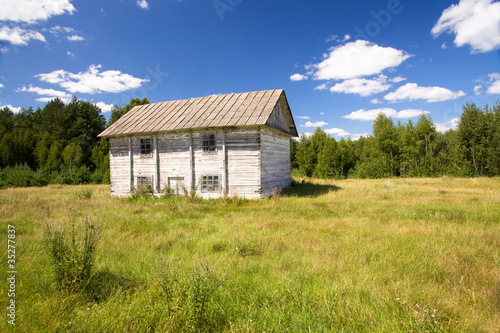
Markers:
73,258
141,192
19,176
84,193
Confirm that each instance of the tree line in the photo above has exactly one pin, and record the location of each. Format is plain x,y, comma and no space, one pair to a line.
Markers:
406,149
56,144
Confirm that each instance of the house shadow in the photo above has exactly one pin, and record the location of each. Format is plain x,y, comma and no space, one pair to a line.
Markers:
302,188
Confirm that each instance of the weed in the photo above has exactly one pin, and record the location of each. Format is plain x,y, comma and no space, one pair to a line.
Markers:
84,193
73,258
141,192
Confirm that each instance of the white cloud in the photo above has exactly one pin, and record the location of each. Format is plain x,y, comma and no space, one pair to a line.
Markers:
336,38
143,4
48,94
336,131
56,30
29,11
303,117
321,87
357,59
298,77
19,36
474,22
75,38
1,85
104,107
92,81
316,124
357,136
411,92
72,55
369,115
410,113
376,101
361,86
494,88
447,125
12,108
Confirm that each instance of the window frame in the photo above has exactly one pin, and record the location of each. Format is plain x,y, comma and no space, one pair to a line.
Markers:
215,179
143,151
140,181
209,149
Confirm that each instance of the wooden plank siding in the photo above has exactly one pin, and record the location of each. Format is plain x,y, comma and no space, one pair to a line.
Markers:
275,161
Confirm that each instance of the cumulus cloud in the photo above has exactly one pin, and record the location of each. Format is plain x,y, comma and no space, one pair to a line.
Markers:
75,38
447,125
303,117
336,131
357,59
362,86
143,4
19,36
357,136
92,81
46,94
494,83
315,124
411,92
104,107
298,77
28,11
370,115
322,86
14,109
474,22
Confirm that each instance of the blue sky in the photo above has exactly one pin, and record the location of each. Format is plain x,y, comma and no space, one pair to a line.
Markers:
340,62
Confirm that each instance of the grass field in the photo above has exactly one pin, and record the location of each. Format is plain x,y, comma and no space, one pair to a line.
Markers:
324,256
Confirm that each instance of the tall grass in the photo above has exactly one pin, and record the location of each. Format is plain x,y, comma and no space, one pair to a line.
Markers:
354,255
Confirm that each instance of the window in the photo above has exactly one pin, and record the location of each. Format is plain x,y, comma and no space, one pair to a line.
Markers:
277,108
143,181
210,183
146,147
209,144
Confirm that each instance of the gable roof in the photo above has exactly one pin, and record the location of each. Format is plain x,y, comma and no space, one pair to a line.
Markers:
243,109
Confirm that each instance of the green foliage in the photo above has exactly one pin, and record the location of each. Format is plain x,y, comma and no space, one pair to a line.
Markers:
190,289
72,156
73,256
18,176
58,143
141,192
406,150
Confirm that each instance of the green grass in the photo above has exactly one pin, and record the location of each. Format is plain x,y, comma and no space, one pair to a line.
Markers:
349,256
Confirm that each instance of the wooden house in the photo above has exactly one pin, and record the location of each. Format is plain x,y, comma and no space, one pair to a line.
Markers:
235,144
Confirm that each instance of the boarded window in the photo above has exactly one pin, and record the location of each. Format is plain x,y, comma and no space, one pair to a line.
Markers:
209,144
210,183
146,147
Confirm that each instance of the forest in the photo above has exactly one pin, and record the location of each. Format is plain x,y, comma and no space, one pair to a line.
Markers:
59,144
406,149
56,144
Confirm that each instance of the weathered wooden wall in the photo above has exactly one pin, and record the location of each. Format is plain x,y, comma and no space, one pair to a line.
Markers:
250,161
275,161
119,166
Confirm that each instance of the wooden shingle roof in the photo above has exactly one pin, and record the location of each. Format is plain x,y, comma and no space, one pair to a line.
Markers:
243,109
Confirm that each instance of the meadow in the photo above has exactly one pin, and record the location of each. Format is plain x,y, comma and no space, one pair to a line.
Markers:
389,255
